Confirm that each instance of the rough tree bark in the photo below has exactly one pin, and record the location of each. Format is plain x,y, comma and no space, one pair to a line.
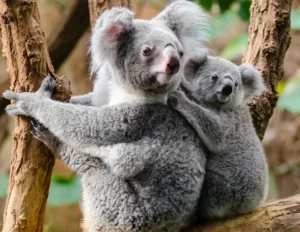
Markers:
269,39
278,216
28,62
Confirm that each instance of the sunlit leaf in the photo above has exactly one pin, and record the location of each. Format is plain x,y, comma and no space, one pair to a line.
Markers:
236,47
295,19
244,11
3,185
64,191
273,188
206,4
290,97
221,23
280,86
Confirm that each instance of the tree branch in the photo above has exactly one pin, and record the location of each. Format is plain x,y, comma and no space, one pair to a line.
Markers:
65,35
278,216
28,62
269,39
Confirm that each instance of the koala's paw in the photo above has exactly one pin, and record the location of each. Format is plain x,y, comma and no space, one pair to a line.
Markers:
175,99
40,132
47,87
16,109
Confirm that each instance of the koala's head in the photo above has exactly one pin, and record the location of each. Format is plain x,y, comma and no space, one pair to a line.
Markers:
147,55
221,83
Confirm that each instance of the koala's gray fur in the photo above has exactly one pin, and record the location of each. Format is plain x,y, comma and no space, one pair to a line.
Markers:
236,180
142,164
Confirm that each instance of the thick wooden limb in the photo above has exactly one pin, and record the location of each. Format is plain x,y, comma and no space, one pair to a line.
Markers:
28,62
269,39
277,216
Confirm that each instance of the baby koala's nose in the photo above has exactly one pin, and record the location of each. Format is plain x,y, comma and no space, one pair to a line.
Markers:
227,89
173,66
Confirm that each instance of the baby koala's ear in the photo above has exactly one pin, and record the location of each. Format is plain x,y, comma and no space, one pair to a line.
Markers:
194,63
252,80
110,28
188,21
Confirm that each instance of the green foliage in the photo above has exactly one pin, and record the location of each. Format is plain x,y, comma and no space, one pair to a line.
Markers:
273,188
225,4
64,190
236,47
280,86
290,97
206,4
221,23
295,19
244,11
3,185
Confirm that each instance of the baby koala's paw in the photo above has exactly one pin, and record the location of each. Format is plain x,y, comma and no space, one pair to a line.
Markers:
176,98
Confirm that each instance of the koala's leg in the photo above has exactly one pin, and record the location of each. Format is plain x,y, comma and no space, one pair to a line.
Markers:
76,160
218,197
82,99
207,123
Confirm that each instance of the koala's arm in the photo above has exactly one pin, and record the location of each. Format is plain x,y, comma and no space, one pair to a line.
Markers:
75,160
207,123
85,99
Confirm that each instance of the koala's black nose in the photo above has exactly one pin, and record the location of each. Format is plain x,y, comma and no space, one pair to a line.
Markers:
227,90
173,65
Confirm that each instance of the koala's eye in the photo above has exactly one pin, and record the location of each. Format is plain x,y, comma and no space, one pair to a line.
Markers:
146,50
181,53
236,84
214,77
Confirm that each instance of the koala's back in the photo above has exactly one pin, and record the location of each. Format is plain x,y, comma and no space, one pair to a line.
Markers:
164,194
238,175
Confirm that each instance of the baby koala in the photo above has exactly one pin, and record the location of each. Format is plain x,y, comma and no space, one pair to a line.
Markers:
141,164
213,98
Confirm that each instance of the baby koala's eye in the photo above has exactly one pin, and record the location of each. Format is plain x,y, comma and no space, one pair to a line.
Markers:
236,84
214,77
181,53
146,50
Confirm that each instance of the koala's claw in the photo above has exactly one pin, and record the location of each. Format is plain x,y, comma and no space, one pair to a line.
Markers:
9,95
14,110
47,86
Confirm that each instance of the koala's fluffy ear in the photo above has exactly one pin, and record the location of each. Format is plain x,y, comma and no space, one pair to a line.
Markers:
188,21
194,63
252,80
110,28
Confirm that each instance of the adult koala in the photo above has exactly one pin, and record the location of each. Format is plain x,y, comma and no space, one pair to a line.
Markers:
213,98
142,164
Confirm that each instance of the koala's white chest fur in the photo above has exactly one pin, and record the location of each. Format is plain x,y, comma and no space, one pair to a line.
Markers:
108,92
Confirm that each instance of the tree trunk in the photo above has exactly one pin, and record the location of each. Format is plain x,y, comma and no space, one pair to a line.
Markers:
269,39
28,62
